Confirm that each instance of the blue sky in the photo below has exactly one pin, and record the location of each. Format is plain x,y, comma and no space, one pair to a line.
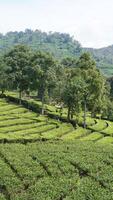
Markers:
89,21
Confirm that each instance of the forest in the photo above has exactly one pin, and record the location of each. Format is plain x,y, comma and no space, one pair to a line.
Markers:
60,45
76,84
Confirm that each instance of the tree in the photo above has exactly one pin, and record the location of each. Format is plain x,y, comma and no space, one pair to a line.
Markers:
96,83
44,63
85,62
59,83
19,67
69,62
72,95
4,78
110,81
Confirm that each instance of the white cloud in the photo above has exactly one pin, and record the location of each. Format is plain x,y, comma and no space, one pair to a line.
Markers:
90,21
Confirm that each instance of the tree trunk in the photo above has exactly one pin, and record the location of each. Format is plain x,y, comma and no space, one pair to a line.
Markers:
93,113
20,96
2,91
72,114
84,120
40,93
43,105
68,114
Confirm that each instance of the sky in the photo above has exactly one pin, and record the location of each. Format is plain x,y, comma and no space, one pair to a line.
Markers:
89,21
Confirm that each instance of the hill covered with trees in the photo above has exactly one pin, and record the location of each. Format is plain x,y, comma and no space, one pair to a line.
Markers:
77,84
103,58
60,45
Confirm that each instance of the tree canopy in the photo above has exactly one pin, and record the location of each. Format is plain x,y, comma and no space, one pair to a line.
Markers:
74,83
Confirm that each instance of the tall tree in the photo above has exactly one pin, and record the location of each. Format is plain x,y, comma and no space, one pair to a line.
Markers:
96,84
69,62
19,67
72,95
4,78
44,63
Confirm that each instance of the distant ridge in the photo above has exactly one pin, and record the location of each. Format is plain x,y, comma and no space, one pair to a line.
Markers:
59,45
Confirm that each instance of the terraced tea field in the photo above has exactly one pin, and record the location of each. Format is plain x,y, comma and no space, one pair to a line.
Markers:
20,124
45,159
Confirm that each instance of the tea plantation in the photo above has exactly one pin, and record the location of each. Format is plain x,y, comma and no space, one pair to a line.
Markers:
45,159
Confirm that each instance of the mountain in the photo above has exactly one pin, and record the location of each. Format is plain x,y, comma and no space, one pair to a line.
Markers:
58,44
103,58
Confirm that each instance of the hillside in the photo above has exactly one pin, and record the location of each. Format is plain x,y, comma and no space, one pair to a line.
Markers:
40,160
104,58
22,125
59,44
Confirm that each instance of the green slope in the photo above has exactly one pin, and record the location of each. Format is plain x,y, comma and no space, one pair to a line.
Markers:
59,45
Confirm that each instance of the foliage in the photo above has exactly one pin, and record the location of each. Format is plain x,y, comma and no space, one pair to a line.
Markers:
74,170
4,77
19,70
72,95
45,65
77,84
58,44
